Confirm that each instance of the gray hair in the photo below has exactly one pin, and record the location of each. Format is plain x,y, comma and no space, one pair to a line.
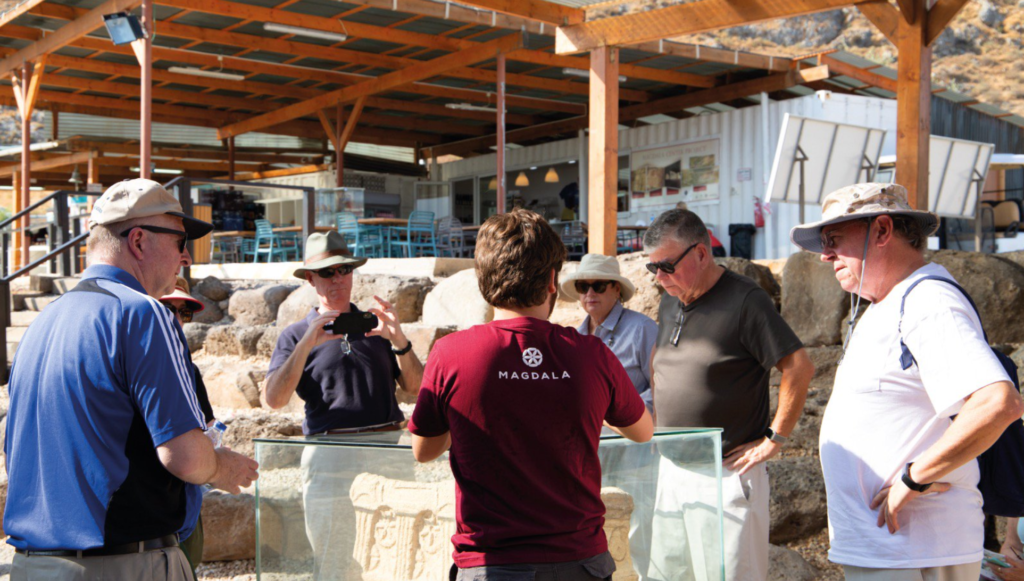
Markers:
910,230
105,242
682,226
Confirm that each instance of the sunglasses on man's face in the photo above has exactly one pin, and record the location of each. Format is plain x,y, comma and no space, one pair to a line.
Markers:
666,266
599,286
343,270
184,312
159,230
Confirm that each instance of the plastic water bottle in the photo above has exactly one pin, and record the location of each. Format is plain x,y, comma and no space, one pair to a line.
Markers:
216,433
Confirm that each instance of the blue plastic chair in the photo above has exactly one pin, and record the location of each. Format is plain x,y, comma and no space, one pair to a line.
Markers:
267,242
291,244
418,238
362,240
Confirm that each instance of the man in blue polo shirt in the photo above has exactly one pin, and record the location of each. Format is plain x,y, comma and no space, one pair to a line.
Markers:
104,433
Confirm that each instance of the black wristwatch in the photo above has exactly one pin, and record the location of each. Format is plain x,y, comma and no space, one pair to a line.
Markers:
909,482
774,436
403,350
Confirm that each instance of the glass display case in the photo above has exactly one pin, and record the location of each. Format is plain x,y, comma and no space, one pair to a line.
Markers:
330,201
360,508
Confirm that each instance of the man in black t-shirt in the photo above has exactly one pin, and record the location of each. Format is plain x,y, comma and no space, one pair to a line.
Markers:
719,337
348,385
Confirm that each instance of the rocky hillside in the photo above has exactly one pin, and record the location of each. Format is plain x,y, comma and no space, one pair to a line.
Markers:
981,53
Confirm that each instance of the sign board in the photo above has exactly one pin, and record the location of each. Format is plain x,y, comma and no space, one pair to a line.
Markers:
664,176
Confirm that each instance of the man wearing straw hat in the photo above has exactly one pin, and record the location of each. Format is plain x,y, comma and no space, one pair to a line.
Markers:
601,290
900,472
348,385
719,339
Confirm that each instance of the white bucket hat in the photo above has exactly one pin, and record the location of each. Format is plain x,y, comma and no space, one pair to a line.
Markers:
856,202
597,267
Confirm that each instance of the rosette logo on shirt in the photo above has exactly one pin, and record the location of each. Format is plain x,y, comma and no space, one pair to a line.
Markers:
532,357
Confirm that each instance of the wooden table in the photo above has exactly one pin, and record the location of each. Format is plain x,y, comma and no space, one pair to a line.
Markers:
252,233
391,222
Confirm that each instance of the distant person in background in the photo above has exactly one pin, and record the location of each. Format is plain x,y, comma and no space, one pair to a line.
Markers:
631,336
183,306
570,196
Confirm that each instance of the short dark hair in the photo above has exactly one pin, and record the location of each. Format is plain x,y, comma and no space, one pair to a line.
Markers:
910,230
681,225
515,254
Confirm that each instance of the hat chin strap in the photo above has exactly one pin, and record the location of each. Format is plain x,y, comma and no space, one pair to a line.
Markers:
855,307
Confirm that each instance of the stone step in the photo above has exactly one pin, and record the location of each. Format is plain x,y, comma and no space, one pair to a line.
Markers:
14,334
32,301
63,285
23,318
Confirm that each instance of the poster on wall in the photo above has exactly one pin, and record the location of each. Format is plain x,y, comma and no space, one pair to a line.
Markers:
688,172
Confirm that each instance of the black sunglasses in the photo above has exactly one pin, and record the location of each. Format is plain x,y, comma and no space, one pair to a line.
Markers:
184,312
344,269
598,286
666,266
159,230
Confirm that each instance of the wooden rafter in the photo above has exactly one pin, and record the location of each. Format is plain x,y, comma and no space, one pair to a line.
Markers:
907,10
50,163
88,22
838,67
332,133
376,85
351,122
884,16
940,15
681,19
23,8
538,10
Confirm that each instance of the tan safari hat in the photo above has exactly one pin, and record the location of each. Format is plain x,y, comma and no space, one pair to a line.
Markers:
181,291
140,198
324,250
857,202
597,267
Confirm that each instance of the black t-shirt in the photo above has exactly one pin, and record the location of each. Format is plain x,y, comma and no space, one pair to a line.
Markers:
717,375
202,396
343,391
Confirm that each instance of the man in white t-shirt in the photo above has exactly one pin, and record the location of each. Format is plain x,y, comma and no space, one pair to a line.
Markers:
900,472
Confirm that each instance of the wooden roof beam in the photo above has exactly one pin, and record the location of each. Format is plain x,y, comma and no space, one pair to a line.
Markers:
538,10
78,28
838,67
681,19
884,16
17,11
939,17
377,85
50,163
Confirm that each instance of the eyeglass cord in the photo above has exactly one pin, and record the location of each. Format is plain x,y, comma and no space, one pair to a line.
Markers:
855,307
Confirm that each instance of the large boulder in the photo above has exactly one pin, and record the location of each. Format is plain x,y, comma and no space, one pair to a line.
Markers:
648,293
997,287
456,302
233,340
813,303
195,335
268,341
231,383
244,425
797,506
758,273
297,306
229,526
212,288
211,312
787,565
258,306
406,294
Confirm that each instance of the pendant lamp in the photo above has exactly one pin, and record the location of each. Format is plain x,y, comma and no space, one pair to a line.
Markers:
522,181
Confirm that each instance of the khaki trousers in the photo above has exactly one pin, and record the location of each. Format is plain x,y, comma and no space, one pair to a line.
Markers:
965,572
159,565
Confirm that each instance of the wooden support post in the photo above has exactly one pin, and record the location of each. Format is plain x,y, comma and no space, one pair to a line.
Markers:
144,52
231,158
55,115
93,171
604,150
501,134
15,257
913,106
339,149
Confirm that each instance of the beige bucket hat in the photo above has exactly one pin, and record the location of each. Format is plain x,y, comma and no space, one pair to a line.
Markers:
324,250
857,202
140,198
181,292
598,267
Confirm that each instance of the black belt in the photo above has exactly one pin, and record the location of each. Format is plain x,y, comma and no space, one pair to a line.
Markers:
391,427
125,549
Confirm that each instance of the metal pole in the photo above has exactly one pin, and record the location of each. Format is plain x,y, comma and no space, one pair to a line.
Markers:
501,134
800,160
146,107
5,321
308,212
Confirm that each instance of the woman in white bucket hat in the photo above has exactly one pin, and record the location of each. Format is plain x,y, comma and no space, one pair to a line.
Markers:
601,290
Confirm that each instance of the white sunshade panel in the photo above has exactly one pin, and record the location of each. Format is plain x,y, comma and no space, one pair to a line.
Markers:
955,168
836,155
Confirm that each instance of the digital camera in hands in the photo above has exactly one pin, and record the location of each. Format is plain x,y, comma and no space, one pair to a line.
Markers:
352,323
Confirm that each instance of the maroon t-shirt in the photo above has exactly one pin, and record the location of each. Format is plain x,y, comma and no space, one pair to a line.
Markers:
524,400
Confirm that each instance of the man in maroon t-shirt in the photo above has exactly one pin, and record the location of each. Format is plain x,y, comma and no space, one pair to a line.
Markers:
521,402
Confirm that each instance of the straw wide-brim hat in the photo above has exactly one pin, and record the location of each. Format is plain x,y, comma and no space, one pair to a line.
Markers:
857,202
597,267
324,250
180,292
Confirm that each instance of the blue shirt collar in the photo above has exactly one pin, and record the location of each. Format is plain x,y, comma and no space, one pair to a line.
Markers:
609,322
115,274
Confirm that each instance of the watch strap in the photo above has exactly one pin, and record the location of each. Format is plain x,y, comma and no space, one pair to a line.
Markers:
774,436
909,482
403,350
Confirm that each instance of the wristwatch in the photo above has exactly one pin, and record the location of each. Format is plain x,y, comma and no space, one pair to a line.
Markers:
909,482
774,436
403,350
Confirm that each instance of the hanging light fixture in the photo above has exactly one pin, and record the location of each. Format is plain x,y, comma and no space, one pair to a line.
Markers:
522,181
493,185
552,176
76,179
